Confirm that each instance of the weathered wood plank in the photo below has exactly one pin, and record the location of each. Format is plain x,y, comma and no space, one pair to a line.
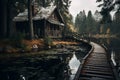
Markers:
84,78
97,75
96,65
97,72
97,62
92,78
98,69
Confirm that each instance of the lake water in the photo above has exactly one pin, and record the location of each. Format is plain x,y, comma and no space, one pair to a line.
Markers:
48,67
114,45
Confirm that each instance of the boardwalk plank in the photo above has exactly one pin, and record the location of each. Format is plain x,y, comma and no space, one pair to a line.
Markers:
96,66
92,65
98,72
92,78
98,75
84,78
98,69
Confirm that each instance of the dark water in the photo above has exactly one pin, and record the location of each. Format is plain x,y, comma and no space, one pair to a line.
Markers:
46,67
114,46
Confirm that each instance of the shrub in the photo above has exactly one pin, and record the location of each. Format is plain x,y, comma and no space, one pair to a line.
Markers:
48,41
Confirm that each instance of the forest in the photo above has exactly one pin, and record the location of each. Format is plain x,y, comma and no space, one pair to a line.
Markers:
92,23
11,8
99,22
41,40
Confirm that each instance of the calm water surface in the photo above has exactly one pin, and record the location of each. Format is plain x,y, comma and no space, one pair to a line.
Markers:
62,67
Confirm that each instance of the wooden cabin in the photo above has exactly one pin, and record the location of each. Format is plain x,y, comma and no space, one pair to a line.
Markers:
46,22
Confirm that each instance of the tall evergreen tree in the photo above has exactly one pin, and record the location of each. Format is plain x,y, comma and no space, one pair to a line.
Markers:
3,18
97,18
90,23
30,21
107,6
80,21
10,8
77,22
63,6
116,23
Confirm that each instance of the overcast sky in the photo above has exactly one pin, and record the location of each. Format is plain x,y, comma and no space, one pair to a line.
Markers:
80,5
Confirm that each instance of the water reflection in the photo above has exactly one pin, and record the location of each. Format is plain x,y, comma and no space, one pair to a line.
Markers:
113,57
74,64
22,77
55,67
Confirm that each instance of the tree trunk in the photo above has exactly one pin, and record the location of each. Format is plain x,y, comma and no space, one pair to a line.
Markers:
11,13
30,21
3,18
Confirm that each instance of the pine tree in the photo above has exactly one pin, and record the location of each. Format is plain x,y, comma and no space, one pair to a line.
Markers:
97,19
116,23
63,7
30,23
77,22
82,21
90,23
3,18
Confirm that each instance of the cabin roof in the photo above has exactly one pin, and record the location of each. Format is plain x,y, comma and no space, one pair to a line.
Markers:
55,22
43,13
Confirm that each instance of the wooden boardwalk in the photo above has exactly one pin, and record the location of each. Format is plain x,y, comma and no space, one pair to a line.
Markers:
96,66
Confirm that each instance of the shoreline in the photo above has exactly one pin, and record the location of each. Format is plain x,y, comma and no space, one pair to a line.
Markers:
45,51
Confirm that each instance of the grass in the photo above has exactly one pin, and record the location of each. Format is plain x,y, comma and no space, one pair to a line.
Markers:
29,44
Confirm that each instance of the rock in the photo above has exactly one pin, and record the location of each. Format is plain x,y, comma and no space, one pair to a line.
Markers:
35,48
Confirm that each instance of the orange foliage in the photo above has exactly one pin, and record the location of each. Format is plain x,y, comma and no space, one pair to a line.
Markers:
30,43
64,42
